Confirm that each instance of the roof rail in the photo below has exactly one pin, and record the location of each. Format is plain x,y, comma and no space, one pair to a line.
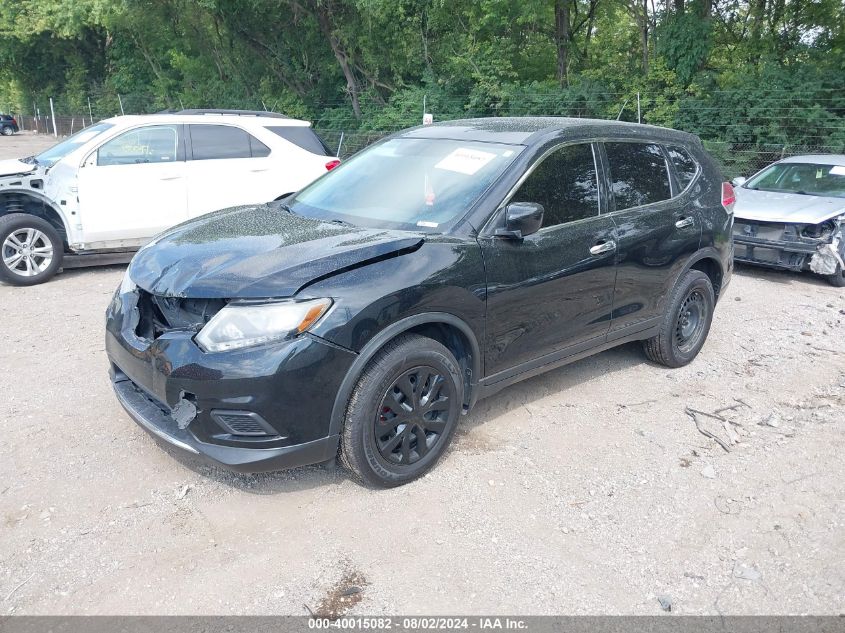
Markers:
272,115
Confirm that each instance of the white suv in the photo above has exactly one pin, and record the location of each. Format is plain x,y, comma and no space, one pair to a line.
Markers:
104,192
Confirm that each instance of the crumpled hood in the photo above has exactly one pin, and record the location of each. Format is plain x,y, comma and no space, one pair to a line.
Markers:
14,167
790,208
259,251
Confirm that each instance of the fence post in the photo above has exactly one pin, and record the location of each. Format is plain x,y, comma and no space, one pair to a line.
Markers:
120,101
53,114
90,115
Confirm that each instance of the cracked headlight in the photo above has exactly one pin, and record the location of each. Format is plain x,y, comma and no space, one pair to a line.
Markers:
244,325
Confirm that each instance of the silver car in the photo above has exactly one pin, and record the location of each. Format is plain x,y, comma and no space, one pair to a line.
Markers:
791,215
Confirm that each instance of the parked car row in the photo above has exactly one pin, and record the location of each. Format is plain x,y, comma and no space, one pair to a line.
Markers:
360,313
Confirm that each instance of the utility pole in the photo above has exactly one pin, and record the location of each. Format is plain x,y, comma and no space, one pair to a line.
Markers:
90,114
639,114
120,101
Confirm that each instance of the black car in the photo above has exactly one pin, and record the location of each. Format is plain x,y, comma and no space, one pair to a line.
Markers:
366,313
8,125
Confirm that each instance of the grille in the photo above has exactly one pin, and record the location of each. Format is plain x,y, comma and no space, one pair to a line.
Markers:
243,423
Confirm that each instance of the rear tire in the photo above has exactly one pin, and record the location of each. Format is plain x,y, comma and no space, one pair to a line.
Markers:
402,413
685,324
7,131
31,249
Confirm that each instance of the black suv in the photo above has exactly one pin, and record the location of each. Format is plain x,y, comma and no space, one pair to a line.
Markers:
366,313
8,125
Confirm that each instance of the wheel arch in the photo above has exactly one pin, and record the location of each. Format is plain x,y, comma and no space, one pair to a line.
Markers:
449,330
707,261
33,203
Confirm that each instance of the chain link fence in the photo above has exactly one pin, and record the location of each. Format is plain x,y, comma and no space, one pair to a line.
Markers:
735,159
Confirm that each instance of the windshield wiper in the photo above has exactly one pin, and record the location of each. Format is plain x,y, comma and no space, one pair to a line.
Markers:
340,222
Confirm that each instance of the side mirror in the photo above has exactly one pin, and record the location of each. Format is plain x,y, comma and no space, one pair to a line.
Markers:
521,219
739,181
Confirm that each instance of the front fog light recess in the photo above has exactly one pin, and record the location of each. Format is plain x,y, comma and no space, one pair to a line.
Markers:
245,325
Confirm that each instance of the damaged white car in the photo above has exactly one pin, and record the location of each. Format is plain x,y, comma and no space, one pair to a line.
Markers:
791,215
104,192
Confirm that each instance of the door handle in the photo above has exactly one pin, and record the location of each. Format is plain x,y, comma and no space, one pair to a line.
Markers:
603,247
259,169
684,223
177,177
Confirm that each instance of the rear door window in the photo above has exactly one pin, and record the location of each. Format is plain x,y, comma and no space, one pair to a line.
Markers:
639,174
685,165
214,142
303,137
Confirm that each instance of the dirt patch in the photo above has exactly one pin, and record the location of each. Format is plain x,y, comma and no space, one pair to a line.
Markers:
344,595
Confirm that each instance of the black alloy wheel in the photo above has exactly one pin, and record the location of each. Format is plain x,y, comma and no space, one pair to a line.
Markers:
403,412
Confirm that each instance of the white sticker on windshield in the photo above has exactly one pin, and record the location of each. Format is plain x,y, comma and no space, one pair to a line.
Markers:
837,170
465,161
428,225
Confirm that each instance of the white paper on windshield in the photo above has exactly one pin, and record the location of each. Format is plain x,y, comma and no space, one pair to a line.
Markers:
430,225
465,161
837,170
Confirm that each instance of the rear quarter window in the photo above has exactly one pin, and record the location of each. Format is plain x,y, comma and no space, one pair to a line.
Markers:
686,166
303,137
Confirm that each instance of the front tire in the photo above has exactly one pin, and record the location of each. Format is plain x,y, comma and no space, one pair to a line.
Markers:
837,279
685,324
30,249
402,413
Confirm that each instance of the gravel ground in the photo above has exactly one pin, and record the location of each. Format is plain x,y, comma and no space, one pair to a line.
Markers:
586,490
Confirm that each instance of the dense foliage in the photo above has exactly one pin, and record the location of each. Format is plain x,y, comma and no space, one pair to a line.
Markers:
741,73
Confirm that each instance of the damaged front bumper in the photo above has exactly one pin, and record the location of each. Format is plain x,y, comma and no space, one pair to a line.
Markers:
797,247
256,409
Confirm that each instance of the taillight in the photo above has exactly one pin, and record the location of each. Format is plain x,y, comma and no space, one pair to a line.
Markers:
728,197
14,122
332,164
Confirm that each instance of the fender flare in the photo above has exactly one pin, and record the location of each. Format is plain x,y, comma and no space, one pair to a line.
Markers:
47,202
385,336
708,252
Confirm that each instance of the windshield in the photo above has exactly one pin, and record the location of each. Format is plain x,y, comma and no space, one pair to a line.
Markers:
804,178
407,183
51,156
